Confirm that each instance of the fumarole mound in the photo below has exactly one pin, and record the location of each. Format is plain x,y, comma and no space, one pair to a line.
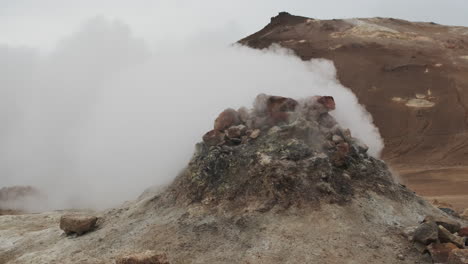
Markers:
279,183
281,152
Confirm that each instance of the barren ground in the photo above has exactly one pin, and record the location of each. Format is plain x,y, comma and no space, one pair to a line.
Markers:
446,184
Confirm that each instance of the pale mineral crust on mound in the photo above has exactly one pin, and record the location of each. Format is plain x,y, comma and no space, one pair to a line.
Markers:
299,156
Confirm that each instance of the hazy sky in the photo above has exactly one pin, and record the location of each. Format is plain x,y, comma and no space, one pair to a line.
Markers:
42,23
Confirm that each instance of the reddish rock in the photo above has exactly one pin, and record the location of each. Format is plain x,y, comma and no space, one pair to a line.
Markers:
458,256
327,101
213,138
463,232
77,223
147,257
440,252
281,104
226,119
342,150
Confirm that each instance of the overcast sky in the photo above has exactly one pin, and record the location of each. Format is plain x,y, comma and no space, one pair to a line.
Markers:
41,23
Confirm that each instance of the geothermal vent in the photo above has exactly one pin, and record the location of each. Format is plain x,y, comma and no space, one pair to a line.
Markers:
281,152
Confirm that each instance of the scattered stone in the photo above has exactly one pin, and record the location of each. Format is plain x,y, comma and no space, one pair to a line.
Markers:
452,225
446,237
440,252
147,257
458,256
77,223
213,138
426,233
226,119
401,257
254,134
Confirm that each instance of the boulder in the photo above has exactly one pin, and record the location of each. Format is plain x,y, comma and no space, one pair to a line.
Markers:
147,257
77,223
440,252
226,119
446,237
426,233
458,256
449,211
213,138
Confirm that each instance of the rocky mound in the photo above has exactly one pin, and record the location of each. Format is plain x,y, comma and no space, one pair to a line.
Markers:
279,183
282,151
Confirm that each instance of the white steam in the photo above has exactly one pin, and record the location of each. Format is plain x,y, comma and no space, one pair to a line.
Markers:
103,116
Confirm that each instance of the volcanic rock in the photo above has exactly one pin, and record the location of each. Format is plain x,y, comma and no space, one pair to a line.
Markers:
426,233
440,252
213,137
226,119
77,223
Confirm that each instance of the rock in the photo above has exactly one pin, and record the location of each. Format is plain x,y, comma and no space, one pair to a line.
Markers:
226,119
401,257
463,232
243,114
458,256
446,237
451,225
254,134
328,102
236,131
440,252
213,138
147,257
426,233
77,223
339,157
